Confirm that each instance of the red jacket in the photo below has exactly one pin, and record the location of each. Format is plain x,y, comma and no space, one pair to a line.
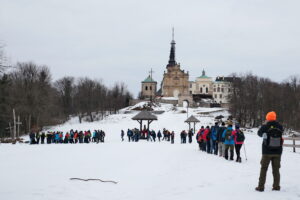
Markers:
199,135
234,137
204,135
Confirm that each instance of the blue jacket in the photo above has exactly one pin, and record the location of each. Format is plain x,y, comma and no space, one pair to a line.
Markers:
214,132
231,140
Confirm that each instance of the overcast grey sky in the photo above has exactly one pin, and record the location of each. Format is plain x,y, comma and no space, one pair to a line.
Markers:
120,40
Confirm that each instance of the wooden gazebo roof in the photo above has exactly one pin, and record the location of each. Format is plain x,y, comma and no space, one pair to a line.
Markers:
192,119
145,115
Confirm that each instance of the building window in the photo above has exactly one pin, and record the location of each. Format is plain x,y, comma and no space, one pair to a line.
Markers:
220,96
150,87
190,92
215,90
216,96
218,89
146,88
191,85
222,89
229,90
206,90
200,90
220,101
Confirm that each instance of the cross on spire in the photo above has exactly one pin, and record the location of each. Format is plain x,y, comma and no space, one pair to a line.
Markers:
150,73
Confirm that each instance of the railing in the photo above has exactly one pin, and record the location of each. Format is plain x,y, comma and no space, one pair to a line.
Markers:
294,145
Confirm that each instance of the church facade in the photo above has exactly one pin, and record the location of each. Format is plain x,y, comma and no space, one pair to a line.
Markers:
175,81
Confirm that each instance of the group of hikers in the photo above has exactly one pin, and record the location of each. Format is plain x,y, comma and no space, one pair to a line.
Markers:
221,140
134,135
72,137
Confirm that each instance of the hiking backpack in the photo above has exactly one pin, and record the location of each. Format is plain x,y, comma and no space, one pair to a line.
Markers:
228,134
240,137
274,138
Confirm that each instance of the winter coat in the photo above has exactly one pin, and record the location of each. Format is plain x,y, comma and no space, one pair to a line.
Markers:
231,140
263,129
205,134
220,134
214,132
159,134
199,135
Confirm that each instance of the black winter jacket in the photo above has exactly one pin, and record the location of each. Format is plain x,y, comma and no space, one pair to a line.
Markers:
263,129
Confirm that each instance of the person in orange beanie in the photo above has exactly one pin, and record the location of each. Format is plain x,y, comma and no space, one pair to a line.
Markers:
271,132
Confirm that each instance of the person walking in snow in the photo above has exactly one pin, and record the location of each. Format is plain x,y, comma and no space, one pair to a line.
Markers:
199,137
159,135
271,132
239,138
228,141
32,138
37,136
183,136
43,138
213,139
205,139
129,132
122,135
153,134
172,137
220,140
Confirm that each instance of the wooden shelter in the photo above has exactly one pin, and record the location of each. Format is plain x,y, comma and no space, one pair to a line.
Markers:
190,120
144,116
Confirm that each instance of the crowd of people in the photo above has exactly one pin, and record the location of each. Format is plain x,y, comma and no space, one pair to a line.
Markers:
72,137
134,135
218,140
221,140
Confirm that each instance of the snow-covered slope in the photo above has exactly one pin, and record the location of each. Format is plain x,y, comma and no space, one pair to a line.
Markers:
143,170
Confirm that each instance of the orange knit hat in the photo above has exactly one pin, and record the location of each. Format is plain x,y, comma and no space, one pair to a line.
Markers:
271,116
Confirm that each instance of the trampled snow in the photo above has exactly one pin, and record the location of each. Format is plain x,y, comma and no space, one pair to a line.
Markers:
143,170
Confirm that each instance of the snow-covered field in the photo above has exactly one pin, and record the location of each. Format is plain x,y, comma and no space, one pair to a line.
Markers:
143,170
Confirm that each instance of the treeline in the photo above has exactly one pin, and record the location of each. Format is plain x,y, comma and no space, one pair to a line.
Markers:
253,97
28,89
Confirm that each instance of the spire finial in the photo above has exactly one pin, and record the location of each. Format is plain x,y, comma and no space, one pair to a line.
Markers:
173,33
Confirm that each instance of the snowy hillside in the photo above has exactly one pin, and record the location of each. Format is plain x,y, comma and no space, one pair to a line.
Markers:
143,170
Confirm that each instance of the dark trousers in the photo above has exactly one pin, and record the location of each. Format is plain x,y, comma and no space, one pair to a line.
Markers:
238,151
208,146
203,145
215,147
229,147
265,161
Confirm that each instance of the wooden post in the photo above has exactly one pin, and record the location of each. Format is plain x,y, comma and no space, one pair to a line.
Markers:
10,131
29,123
15,125
18,129
294,143
141,124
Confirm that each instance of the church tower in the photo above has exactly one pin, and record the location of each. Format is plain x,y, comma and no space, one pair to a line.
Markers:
149,87
175,81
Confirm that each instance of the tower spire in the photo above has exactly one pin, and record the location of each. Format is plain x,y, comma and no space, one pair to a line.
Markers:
172,61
